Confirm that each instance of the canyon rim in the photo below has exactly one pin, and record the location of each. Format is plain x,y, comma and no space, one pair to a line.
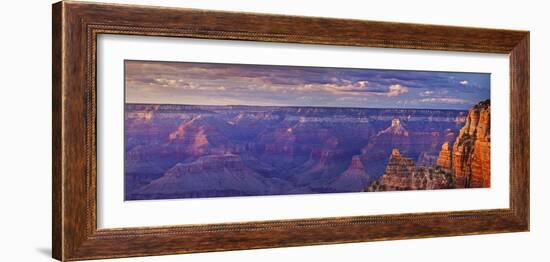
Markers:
195,130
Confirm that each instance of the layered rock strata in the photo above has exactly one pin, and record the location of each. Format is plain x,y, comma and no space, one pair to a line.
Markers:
444,158
471,163
402,174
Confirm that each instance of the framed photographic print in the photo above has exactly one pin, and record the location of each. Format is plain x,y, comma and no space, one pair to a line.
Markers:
181,130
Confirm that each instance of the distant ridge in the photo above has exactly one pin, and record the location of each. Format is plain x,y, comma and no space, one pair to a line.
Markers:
290,107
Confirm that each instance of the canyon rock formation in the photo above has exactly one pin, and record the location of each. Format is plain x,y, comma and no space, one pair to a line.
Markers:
444,158
180,151
209,176
464,164
472,149
402,174
354,178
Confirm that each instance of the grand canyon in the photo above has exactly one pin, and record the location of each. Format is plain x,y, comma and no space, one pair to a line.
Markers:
194,151
199,130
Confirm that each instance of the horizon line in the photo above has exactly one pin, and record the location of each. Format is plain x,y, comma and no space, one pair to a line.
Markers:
288,106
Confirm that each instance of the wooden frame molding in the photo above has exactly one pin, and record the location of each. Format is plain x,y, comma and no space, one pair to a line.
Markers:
76,26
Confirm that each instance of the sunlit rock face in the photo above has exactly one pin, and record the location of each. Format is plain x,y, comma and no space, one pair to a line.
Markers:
444,158
472,149
402,174
395,129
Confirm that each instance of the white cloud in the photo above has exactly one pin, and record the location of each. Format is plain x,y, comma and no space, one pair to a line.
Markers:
395,90
464,82
358,88
444,100
362,83
166,82
427,93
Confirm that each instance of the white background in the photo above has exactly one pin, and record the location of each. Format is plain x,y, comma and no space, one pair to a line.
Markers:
114,212
25,145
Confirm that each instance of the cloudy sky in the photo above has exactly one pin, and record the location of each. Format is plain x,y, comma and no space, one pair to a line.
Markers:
236,84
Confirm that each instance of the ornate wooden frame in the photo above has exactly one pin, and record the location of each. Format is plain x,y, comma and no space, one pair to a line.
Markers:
76,26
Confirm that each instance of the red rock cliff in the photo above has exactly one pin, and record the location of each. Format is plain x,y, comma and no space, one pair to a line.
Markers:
471,158
444,159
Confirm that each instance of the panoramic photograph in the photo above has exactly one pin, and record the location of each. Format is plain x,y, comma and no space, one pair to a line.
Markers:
200,130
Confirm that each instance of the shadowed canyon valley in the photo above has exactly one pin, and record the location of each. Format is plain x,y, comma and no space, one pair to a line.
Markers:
191,151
